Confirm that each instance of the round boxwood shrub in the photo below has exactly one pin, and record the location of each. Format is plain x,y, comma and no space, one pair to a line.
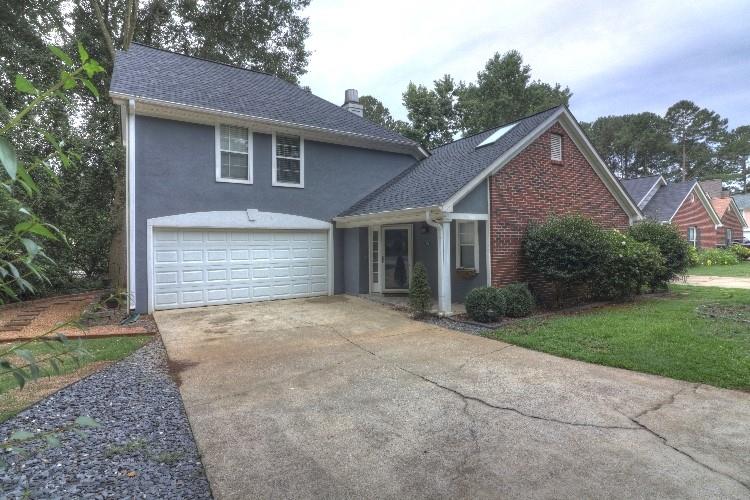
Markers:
485,304
518,300
672,246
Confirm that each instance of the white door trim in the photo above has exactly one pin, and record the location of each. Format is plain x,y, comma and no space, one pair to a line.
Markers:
410,264
234,219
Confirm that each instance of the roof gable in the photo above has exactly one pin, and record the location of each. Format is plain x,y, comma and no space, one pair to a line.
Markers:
433,180
170,78
640,188
723,206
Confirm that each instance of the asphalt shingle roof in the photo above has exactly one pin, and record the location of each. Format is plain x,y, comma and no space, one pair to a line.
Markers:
639,187
667,200
152,73
433,180
742,200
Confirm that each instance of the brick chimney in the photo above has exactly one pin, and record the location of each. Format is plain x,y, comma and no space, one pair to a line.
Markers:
351,102
713,188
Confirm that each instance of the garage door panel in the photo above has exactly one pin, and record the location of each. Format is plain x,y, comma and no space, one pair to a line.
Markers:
201,267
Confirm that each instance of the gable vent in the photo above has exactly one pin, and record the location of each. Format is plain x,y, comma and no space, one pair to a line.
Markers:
556,147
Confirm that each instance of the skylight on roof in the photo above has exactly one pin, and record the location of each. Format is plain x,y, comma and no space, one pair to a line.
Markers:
496,135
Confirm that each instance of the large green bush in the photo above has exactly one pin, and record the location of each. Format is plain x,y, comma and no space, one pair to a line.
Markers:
627,266
485,304
742,253
518,300
672,246
565,250
717,257
420,294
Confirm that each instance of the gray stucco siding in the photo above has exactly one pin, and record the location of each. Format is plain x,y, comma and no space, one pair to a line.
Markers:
175,173
475,202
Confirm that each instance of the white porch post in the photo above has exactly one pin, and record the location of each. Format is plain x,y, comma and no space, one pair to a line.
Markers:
444,268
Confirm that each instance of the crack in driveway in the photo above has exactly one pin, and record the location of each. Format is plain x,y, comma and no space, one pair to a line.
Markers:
638,426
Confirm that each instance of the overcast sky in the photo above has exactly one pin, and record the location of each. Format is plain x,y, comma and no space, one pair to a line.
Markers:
617,57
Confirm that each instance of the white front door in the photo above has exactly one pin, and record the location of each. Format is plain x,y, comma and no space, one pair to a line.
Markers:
397,258
198,267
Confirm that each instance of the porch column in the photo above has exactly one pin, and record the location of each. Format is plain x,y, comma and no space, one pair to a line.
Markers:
444,268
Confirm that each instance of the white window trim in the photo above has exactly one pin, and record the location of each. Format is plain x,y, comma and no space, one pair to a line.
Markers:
476,244
301,159
217,140
728,236
694,241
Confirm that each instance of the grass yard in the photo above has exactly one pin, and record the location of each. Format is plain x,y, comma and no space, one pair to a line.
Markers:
660,335
741,270
101,352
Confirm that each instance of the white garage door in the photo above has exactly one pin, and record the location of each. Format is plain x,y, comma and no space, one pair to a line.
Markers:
194,267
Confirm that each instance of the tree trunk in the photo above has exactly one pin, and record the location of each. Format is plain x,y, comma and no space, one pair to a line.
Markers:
684,163
118,269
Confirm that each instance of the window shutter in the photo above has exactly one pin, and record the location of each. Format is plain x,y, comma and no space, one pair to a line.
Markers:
556,147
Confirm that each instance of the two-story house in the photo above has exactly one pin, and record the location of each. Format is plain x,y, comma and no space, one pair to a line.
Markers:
244,187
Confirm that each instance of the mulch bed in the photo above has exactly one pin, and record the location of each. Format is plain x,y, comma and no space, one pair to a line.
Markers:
25,320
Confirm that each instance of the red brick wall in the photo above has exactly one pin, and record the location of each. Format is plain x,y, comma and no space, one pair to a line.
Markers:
531,188
730,220
692,213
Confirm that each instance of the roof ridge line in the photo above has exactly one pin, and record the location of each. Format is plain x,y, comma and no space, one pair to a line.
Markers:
499,126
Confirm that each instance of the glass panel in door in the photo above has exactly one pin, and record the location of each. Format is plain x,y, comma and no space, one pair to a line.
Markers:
396,253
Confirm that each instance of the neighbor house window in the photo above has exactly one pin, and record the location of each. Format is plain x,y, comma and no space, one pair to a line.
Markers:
692,236
288,161
728,236
233,154
467,246
556,147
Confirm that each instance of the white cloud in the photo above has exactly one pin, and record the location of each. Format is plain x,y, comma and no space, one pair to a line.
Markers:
378,47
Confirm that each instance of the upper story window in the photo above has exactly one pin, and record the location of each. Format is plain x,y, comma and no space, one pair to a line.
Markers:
692,236
467,245
556,147
234,154
288,161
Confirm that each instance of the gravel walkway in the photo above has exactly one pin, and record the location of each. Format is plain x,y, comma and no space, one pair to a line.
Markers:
143,448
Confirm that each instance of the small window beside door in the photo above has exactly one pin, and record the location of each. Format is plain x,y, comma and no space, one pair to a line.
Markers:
692,236
288,161
467,245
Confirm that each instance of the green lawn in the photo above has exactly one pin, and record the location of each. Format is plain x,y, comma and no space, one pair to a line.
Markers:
663,336
13,399
741,270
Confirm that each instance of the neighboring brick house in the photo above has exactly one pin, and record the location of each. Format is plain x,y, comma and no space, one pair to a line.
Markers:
684,204
732,221
705,214
743,204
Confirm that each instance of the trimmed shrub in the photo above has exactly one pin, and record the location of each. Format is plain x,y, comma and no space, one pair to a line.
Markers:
717,257
485,304
518,300
628,266
672,246
566,250
742,253
420,294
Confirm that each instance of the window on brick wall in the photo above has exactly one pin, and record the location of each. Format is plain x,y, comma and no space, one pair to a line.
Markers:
728,236
556,147
467,245
692,236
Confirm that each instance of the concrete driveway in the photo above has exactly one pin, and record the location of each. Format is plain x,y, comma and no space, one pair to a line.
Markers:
719,281
339,397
